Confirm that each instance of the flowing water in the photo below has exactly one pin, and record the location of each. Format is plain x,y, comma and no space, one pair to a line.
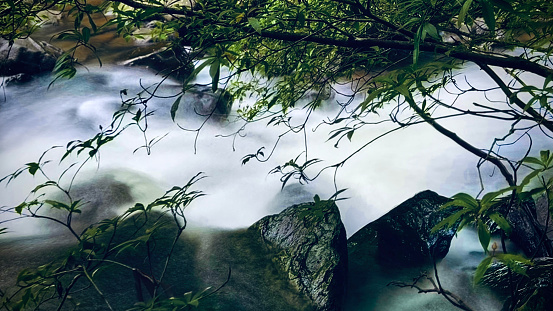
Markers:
34,118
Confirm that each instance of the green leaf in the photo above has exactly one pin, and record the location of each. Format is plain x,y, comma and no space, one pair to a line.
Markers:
301,19
86,34
78,20
449,221
195,73
464,222
516,263
481,269
20,207
490,196
525,306
463,13
419,36
57,204
92,24
544,155
466,199
33,168
372,95
484,235
501,222
255,24
136,207
514,258
46,184
404,90
527,180
432,31
532,160
214,71
137,115
502,4
350,134
316,199
175,107
488,14
547,80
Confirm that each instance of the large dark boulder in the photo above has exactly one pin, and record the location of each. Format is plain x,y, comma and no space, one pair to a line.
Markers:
174,62
527,232
310,242
402,236
542,211
27,56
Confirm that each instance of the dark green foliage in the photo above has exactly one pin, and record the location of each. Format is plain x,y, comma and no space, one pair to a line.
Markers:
139,242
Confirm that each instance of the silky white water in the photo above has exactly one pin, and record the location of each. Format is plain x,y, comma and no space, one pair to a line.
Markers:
390,170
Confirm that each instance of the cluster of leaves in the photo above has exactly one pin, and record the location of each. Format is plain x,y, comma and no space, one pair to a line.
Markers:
102,248
491,212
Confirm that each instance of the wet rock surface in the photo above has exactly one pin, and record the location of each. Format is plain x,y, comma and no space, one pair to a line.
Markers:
310,242
27,56
403,234
527,232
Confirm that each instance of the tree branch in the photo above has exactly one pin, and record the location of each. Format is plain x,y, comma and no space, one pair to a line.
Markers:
512,97
458,140
450,50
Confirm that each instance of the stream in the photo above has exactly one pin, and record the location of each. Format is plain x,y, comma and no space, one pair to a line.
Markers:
34,118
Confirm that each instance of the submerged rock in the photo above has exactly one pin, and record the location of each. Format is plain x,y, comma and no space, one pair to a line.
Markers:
402,236
27,56
206,102
310,242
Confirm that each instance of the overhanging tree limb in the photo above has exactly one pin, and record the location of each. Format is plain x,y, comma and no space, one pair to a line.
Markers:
458,140
453,50
512,97
499,60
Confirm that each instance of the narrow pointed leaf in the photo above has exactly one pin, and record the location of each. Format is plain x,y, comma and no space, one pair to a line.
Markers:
501,222
463,13
175,107
483,235
481,269
255,24
489,15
